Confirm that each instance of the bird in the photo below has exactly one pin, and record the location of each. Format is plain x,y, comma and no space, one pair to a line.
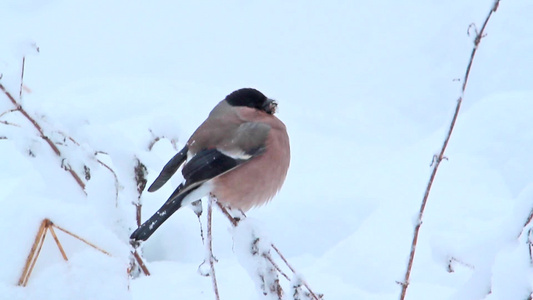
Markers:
240,154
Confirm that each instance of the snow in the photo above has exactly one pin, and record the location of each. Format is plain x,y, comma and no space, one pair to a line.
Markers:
367,91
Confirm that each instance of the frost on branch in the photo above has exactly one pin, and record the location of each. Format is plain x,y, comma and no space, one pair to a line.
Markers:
252,250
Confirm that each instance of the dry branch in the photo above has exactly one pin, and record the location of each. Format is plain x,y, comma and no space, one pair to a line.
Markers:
117,183
8,112
438,159
140,178
235,222
140,262
22,77
39,129
156,138
209,246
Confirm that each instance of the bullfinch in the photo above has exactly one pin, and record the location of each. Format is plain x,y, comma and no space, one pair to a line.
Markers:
240,154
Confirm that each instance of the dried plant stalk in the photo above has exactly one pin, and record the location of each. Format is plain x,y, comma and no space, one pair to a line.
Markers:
438,159
140,178
140,262
52,231
34,253
235,222
22,77
79,238
209,246
35,250
39,129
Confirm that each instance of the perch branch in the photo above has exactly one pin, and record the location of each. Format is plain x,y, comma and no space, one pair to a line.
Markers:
209,246
438,159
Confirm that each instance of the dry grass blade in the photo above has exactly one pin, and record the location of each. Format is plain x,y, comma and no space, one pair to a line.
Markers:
35,250
438,159
79,238
34,254
52,231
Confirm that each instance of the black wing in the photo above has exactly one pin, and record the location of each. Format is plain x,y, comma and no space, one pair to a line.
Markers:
169,169
208,164
203,166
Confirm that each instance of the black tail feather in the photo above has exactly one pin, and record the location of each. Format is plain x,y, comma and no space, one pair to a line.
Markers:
169,169
150,226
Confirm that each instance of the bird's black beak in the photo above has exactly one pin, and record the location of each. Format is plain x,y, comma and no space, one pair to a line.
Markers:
270,106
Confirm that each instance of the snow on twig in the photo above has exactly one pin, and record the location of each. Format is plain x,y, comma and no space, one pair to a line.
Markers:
40,130
254,255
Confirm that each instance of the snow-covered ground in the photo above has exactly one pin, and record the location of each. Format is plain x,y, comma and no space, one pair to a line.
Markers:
367,91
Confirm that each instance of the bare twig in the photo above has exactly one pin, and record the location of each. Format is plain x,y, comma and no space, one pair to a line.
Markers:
438,160
22,77
156,139
530,244
209,246
235,222
294,271
452,260
275,265
9,123
8,111
140,262
140,172
39,129
117,183
153,142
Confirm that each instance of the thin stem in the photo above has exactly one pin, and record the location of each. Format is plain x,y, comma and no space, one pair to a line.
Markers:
140,262
235,222
34,252
209,245
39,129
438,160
79,238
22,77
52,231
